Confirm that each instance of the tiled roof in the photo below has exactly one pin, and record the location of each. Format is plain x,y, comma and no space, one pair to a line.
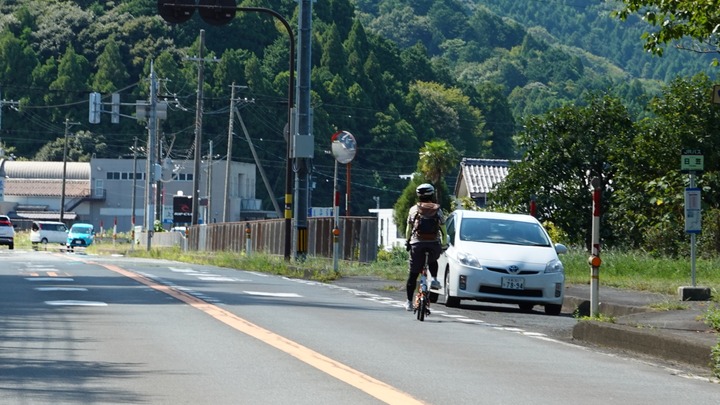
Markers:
47,188
479,176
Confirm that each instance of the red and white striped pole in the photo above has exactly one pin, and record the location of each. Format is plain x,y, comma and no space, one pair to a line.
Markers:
114,230
132,230
533,206
594,259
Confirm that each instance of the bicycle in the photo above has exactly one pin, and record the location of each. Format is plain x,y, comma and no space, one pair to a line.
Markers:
421,303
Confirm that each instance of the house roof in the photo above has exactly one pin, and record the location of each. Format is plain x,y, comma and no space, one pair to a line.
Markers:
47,188
46,170
477,177
44,179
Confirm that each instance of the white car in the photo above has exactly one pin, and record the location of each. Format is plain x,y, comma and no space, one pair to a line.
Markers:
45,232
7,232
502,258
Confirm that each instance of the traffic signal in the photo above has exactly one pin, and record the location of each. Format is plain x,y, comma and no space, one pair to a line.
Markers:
176,11
217,12
213,12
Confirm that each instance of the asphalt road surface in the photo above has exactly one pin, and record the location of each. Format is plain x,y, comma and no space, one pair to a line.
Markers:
78,329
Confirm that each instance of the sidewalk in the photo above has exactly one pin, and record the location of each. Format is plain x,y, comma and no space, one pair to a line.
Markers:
676,335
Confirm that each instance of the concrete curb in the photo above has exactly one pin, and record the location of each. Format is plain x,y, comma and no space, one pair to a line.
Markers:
645,341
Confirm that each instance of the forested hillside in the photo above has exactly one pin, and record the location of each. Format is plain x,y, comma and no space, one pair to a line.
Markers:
588,25
395,73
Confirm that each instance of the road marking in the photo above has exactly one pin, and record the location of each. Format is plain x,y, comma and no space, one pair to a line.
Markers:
373,387
60,289
75,303
216,278
269,294
63,279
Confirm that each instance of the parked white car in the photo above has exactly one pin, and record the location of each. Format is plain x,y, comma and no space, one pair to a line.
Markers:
502,258
48,232
7,232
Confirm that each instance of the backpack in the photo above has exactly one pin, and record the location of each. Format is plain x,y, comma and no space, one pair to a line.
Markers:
426,224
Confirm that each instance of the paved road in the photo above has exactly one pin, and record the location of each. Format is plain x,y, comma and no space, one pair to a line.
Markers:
80,329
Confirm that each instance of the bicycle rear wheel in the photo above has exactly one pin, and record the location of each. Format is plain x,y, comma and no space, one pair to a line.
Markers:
422,307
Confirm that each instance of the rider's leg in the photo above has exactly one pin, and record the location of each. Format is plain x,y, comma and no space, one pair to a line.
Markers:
417,259
434,252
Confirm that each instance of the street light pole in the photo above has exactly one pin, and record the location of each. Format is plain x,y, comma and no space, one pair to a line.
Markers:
177,12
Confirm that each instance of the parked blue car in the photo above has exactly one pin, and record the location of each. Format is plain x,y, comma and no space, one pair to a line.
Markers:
80,235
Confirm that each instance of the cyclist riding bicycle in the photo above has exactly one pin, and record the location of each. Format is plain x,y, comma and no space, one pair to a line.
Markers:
425,232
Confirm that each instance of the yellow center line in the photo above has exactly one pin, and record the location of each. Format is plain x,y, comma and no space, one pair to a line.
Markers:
374,387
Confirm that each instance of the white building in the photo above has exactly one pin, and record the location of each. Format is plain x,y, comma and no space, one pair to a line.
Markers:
100,191
388,235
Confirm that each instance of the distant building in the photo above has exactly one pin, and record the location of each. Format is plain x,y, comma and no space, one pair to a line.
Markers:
100,191
478,177
388,233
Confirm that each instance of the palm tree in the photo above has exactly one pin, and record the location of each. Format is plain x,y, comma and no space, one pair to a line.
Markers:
437,158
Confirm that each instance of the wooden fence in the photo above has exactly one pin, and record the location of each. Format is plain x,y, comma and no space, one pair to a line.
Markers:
358,240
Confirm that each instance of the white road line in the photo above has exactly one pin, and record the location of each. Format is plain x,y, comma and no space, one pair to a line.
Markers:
269,294
61,279
217,278
60,289
77,303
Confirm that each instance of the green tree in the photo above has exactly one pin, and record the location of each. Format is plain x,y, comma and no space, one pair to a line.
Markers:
649,186
446,113
437,158
16,60
333,54
676,20
562,151
111,73
82,145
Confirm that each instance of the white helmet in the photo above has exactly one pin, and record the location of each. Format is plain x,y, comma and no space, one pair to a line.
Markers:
425,190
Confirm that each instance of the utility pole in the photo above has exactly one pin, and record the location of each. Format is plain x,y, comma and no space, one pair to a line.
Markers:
64,172
302,138
3,103
150,164
228,162
208,207
132,203
198,130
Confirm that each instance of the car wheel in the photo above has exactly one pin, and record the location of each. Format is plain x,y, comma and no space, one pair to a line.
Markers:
44,242
450,301
11,246
553,309
526,307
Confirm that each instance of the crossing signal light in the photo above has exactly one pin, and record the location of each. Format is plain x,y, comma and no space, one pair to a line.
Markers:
213,12
217,12
176,11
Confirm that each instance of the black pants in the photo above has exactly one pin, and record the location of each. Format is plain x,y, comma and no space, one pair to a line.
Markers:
417,261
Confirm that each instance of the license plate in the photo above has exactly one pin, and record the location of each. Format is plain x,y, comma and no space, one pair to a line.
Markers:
513,283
